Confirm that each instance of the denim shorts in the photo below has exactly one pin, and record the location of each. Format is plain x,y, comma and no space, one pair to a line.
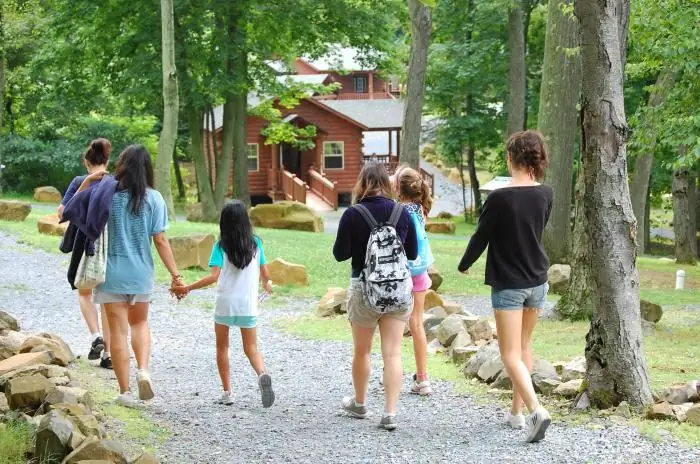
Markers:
517,299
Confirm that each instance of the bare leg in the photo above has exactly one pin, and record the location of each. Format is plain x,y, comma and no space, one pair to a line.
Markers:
222,363
362,347
530,316
106,336
89,310
391,333
117,315
250,348
140,334
420,342
509,327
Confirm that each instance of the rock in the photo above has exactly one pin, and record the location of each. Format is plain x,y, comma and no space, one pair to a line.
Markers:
432,300
435,278
98,450
192,251
462,340
8,322
17,211
431,334
681,393
582,402
76,440
449,328
27,393
285,273
49,225
4,407
569,389
430,321
462,354
481,330
452,308
541,371
60,351
558,277
69,409
70,395
435,347
286,215
547,386
503,381
145,458
490,370
437,311
335,301
40,369
440,227
486,353
59,381
57,371
623,410
651,312
574,369
53,438
693,414
494,329
88,425
681,411
661,411
24,360
444,215
559,366
47,195
10,343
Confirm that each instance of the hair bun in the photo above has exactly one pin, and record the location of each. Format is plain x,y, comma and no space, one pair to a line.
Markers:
97,146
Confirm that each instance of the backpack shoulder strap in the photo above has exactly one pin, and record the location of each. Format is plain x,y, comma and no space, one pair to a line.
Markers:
396,214
366,215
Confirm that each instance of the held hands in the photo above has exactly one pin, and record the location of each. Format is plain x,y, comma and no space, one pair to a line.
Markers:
268,286
178,289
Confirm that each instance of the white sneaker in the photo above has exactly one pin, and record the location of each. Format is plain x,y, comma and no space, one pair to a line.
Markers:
537,424
143,380
516,421
421,388
128,401
226,399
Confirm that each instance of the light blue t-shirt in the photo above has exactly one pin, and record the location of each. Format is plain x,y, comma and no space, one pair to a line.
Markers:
129,254
218,255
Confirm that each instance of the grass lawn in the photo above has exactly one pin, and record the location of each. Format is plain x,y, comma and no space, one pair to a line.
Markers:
14,443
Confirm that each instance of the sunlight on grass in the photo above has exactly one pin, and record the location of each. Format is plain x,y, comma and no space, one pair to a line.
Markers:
14,443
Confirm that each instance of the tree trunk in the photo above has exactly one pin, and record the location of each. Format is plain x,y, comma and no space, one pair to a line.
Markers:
517,78
421,26
2,72
647,222
683,221
225,159
464,187
206,193
639,184
616,368
240,150
181,192
171,105
473,179
559,95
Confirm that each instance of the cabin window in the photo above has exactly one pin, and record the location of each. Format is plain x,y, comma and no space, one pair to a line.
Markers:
253,157
333,154
360,84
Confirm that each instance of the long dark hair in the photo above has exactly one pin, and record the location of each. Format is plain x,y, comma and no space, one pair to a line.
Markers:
237,239
97,153
134,172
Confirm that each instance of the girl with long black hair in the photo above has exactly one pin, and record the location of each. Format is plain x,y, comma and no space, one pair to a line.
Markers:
237,263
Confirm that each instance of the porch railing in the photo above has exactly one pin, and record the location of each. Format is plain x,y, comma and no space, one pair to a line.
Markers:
293,188
323,187
392,162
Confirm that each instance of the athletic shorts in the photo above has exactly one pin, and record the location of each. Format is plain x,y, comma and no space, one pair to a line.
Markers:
107,298
516,299
360,314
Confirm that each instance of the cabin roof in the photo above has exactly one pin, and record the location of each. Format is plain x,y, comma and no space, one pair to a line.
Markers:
373,114
344,59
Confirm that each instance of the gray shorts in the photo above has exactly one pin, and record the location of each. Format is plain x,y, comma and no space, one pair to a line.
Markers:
360,314
107,298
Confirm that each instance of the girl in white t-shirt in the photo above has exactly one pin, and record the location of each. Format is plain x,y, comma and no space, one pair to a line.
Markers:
237,263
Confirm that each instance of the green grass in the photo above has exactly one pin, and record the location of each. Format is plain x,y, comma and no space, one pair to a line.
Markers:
14,443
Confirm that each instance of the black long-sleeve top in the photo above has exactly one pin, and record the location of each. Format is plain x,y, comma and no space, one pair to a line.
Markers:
353,232
511,225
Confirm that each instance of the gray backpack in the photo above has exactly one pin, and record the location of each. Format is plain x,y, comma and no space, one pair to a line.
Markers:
386,279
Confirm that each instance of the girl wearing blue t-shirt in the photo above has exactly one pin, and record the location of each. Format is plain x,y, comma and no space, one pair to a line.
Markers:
237,263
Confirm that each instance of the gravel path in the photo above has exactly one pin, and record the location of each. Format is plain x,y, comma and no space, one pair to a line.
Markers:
310,378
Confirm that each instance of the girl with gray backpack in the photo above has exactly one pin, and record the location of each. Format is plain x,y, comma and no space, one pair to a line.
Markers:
377,235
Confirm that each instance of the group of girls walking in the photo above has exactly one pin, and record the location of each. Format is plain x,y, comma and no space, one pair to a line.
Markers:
511,225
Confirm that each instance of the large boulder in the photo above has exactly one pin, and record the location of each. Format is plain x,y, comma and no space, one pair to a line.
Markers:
8,322
486,353
662,411
480,329
27,393
286,215
435,227
693,414
61,352
460,355
47,195
433,300
574,369
681,393
192,251
503,381
68,395
335,301
10,343
98,450
431,320
681,411
651,312
542,373
53,438
49,225
449,328
285,273
11,210
23,360
41,369
435,278
558,277
569,389
490,370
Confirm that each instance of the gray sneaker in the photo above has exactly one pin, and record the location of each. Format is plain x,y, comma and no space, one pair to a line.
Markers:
537,424
351,407
266,392
388,423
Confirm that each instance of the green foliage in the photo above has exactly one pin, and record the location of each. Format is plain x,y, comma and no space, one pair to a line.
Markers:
14,443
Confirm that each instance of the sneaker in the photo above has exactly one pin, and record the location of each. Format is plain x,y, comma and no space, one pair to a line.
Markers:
388,423
226,399
96,349
128,401
143,380
421,388
352,408
537,424
106,363
266,392
516,421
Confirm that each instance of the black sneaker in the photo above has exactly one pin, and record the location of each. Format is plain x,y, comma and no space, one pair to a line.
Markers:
106,363
97,348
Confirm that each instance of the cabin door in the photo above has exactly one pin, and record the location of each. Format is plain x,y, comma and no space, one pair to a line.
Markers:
290,158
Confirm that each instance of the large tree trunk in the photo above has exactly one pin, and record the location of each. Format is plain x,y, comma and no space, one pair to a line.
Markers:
195,118
2,73
639,185
517,77
473,179
171,106
421,26
181,192
240,150
683,220
616,368
225,159
560,93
